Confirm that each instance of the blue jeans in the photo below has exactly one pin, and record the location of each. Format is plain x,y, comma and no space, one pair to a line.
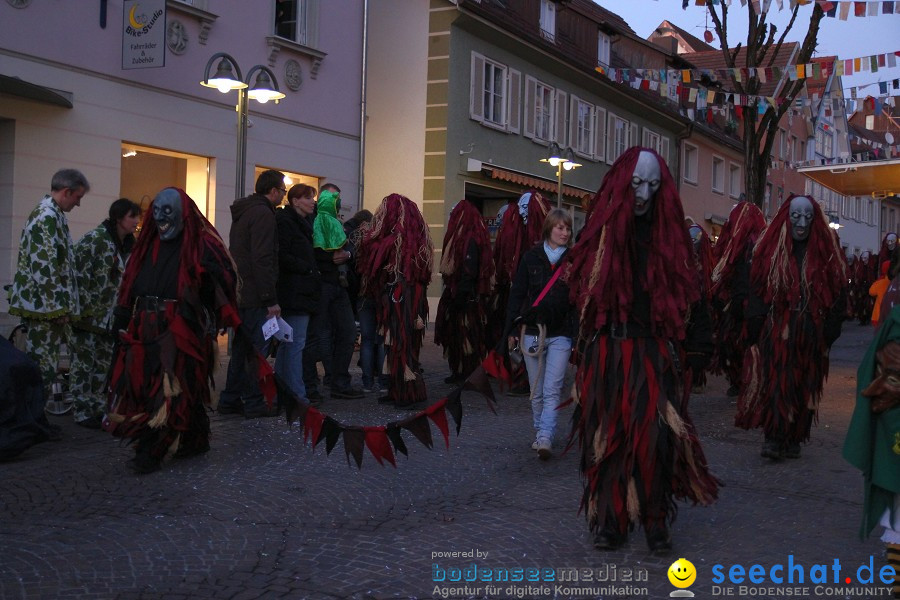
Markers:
547,390
289,359
241,385
371,345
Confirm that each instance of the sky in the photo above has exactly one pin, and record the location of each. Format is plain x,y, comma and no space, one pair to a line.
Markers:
853,38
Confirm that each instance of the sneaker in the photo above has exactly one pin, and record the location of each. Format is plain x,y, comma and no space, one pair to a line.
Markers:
534,445
368,387
350,393
544,449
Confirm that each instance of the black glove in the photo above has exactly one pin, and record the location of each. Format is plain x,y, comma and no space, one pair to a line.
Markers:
698,361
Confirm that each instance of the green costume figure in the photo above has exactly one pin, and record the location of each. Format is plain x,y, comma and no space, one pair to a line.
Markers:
99,263
328,231
873,438
44,291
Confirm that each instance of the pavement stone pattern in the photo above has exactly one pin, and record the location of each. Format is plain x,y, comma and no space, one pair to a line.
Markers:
263,516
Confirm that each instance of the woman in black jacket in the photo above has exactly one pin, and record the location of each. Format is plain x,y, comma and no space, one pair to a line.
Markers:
298,281
547,355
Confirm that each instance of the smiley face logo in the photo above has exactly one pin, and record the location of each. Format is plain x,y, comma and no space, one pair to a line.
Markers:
682,573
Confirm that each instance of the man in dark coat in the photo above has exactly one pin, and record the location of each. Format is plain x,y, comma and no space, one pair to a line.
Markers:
254,246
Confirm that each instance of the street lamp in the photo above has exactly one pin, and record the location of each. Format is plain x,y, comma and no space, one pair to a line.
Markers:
264,89
563,161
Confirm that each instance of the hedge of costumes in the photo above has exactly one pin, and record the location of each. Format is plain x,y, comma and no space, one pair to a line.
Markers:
99,263
798,284
395,262
178,292
467,270
703,258
873,438
45,287
730,289
632,279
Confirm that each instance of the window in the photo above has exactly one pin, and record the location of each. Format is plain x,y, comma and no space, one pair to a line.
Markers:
798,150
494,94
734,180
691,156
718,174
871,212
782,140
820,142
829,145
618,137
767,200
543,111
651,139
602,49
581,135
548,20
790,149
803,157
599,133
138,167
297,20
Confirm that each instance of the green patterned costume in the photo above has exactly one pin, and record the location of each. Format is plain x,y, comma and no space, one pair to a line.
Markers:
99,265
44,288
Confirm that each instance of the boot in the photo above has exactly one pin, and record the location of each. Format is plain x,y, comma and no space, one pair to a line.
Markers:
772,448
659,541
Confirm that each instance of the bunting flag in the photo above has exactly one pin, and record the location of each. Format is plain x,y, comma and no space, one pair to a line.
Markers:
831,8
384,442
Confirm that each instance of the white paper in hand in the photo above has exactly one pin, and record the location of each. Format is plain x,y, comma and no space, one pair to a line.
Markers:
285,332
269,328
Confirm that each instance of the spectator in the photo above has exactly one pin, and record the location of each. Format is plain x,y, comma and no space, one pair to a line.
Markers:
44,291
298,281
99,263
332,330
254,246
543,303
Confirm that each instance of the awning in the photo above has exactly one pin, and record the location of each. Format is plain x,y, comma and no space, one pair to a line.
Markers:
534,182
18,87
879,178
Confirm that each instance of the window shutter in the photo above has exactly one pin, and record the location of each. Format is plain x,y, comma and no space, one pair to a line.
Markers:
312,23
645,139
476,91
573,120
514,93
664,148
599,133
560,131
610,138
633,137
530,93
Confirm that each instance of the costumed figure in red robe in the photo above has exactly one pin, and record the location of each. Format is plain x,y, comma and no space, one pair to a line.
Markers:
643,328
889,252
730,290
467,269
395,261
520,230
864,275
177,292
798,292
703,257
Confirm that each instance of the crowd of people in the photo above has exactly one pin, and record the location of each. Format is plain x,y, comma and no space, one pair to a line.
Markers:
639,301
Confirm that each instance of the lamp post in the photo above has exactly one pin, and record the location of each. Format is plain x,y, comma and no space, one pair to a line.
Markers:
264,89
563,161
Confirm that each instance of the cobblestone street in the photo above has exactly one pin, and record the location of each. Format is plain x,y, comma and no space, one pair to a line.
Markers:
263,516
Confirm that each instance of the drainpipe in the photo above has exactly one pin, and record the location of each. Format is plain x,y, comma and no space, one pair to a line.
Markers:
685,134
362,107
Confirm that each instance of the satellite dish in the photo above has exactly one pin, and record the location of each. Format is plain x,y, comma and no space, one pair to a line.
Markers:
889,137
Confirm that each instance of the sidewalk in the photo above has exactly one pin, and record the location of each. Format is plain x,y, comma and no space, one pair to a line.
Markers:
262,516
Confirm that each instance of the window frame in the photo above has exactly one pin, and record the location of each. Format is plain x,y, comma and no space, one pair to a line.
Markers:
548,114
686,164
613,140
547,20
734,167
720,161
603,49
582,142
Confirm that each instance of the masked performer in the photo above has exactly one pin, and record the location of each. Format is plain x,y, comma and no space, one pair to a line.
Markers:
178,290
798,281
873,438
888,252
467,269
730,289
865,274
703,258
396,260
520,229
633,282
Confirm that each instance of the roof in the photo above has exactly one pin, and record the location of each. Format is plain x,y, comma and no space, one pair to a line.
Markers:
602,15
669,29
713,59
879,178
817,85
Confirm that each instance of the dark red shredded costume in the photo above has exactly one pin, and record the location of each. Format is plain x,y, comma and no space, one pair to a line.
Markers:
799,295
639,448
729,291
703,255
395,262
514,238
163,365
864,275
467,270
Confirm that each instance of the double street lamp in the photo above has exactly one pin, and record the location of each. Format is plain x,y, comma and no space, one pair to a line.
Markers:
563,161
264,89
